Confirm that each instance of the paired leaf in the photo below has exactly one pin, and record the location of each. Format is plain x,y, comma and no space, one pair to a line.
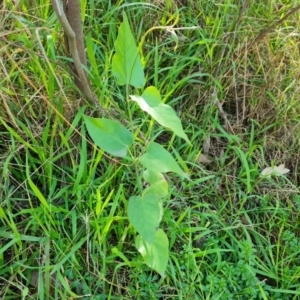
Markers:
158,159
144,215
156,254
150,102
126,63
109,135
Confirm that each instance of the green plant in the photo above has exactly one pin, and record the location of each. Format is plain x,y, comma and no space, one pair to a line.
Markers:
146,210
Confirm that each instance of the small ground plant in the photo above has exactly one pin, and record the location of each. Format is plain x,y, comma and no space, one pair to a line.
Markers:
146,210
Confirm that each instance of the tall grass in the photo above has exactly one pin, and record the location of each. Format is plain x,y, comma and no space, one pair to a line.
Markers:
64,232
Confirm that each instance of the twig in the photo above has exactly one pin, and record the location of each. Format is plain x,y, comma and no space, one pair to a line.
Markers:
74,52
221,110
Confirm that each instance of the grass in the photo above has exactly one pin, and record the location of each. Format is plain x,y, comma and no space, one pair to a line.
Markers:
64,232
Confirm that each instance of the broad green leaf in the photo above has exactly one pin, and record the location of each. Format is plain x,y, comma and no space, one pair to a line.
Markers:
109,135
126,63
150,102
144,215
158,185
152,176
158,189
156,254
158,159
